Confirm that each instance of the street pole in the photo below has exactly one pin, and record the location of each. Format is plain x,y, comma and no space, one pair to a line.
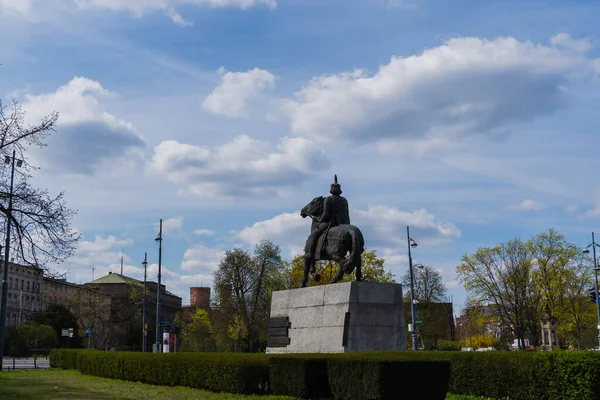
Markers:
159,240
4,301
415,340
144,325
596,276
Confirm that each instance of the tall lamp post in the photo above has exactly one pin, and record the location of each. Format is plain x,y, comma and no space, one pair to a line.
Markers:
144,325
587,251
4,300
412,243
159,240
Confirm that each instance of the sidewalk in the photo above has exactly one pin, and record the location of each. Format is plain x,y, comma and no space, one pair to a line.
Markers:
23,363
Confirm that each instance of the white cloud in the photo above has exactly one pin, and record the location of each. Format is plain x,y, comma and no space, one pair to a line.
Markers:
177,18
466,86
243,166
87,134
205,232
526,205
201,259
170,225
17,6
383,227
231,97
565,41
101,245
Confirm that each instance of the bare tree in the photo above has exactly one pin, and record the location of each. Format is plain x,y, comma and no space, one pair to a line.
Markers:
429,284
42,231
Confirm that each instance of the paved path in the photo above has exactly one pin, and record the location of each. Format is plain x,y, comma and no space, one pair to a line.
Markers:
22,363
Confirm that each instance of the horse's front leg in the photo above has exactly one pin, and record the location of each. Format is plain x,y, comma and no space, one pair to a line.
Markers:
307,264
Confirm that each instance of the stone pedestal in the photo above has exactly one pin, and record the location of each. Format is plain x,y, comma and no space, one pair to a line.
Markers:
338,318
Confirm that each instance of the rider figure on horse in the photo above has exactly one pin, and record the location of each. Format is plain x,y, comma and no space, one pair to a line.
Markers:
335,212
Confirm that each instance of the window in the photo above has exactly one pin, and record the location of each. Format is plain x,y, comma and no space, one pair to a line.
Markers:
28,286
22,283
10,283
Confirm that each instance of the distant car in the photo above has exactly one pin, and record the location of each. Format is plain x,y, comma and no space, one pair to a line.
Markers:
467,349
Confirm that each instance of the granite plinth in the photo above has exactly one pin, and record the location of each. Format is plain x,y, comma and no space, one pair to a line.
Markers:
341,317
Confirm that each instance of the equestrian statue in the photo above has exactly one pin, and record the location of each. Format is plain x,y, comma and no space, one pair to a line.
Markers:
332,236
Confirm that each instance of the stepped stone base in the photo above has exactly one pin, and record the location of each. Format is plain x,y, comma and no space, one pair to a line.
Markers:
338,318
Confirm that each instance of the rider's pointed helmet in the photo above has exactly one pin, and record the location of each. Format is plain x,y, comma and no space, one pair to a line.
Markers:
336,189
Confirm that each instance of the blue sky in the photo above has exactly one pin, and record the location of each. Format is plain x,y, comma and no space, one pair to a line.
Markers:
473,122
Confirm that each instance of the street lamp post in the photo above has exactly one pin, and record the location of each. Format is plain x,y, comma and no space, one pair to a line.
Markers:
144,325
4,301
159,240
412,243
586,251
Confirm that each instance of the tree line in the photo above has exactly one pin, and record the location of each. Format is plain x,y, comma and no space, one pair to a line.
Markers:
512,285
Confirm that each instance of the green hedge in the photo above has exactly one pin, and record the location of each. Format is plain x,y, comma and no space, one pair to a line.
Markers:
516,375
384,378
557,375
219,372
302,376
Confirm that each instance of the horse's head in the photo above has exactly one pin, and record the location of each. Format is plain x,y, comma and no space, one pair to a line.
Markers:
314,208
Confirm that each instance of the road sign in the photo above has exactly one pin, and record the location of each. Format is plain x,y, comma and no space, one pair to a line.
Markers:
88,331
418,322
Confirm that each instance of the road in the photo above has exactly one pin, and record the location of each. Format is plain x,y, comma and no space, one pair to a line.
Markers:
22,363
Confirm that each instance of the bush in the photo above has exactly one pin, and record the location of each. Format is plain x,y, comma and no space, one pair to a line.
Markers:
302,376
447,345
363,377
219,372
572,375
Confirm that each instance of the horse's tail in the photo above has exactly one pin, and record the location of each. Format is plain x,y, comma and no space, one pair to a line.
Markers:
358,244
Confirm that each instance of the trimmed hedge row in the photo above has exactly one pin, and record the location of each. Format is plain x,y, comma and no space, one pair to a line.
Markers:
556,375
367,376
516,375
218,372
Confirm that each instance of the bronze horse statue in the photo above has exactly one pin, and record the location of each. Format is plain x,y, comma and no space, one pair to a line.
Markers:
333,245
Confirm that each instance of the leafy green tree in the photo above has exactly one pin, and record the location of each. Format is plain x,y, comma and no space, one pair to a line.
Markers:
520,279
243,285
58,317
372,268
22,338
237,330
195,330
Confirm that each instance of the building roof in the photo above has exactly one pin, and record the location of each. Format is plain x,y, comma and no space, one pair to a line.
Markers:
116,278
113,277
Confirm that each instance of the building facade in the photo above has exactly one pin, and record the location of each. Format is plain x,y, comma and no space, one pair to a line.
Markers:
91,307
25,291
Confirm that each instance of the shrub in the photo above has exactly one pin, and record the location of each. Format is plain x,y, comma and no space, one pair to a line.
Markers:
219,372
302,376
572,375
447,345
363,377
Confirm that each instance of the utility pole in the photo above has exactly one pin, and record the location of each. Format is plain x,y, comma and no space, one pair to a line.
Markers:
4,301
144,324
586,251
159,240
415,339
93,269
122,250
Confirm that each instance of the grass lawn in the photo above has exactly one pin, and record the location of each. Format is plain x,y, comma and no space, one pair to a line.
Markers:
57,384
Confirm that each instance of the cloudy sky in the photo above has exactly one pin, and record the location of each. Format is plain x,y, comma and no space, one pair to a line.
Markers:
473,122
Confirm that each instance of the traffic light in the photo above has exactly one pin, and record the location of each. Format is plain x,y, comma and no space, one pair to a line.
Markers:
592,294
